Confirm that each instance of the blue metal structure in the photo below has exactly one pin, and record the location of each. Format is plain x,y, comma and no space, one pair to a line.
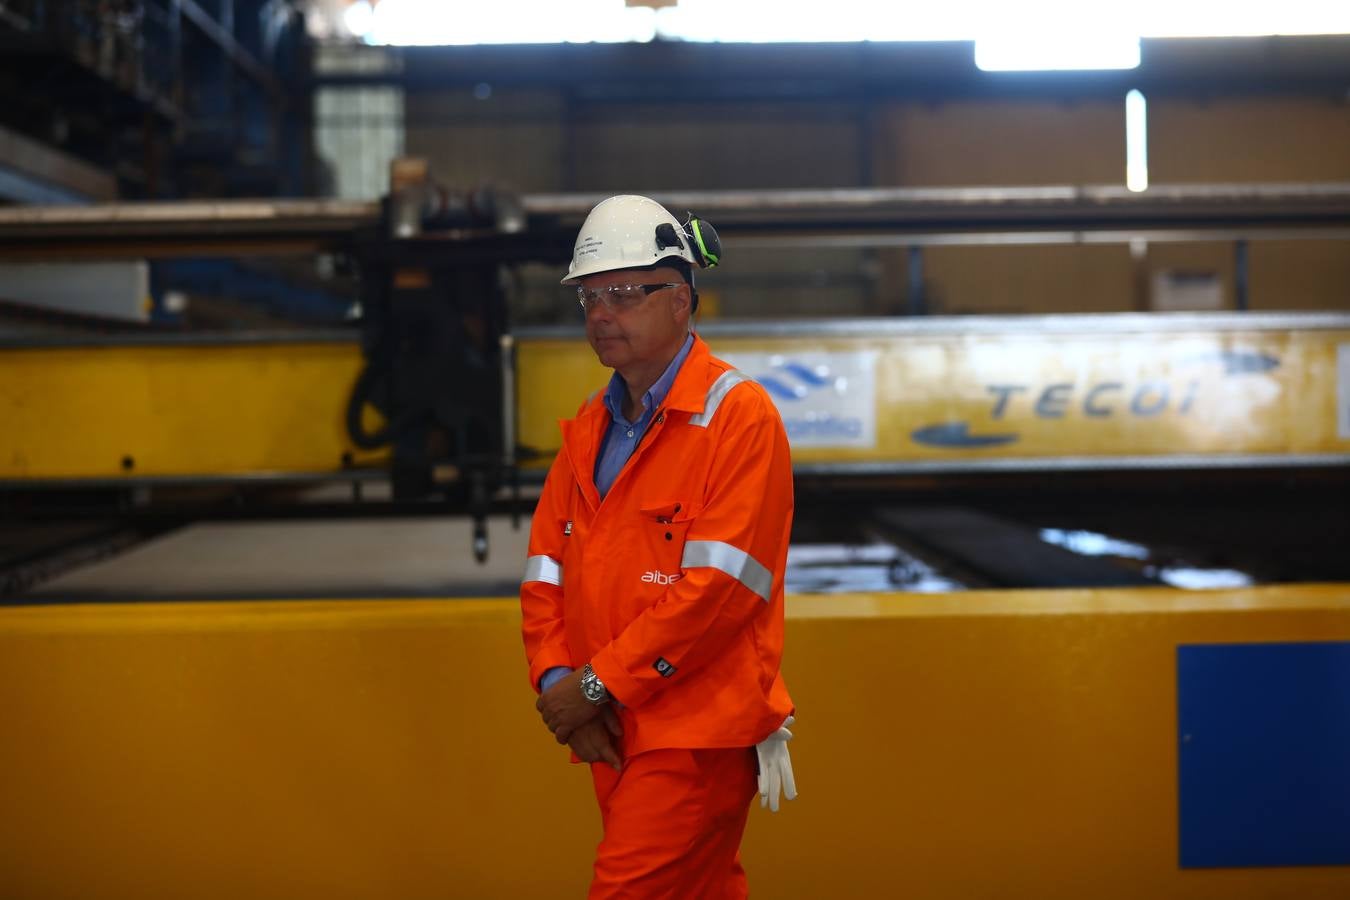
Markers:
175,97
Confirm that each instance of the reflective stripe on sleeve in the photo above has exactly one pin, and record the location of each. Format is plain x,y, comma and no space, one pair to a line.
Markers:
731,561
543,568
720,388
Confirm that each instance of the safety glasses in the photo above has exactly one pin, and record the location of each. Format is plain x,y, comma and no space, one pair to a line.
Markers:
619,297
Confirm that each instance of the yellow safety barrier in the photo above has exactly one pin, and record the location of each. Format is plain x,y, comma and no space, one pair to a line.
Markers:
1005,744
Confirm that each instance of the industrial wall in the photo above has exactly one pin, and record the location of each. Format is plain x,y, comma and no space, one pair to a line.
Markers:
541,140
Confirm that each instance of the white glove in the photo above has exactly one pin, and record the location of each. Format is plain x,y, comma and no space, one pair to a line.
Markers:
775,767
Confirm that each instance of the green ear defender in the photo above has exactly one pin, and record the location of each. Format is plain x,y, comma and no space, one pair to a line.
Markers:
703,242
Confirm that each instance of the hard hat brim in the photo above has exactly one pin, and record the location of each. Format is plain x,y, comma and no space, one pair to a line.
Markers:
585,271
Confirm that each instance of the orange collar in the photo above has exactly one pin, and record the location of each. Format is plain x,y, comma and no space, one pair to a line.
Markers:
582,435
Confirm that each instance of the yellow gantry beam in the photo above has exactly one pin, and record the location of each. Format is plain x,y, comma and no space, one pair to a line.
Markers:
231,410
1024,392
1082,390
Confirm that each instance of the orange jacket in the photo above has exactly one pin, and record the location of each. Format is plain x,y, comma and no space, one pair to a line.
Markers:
672,587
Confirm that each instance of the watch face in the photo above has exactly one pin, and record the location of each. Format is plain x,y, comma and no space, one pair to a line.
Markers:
592,689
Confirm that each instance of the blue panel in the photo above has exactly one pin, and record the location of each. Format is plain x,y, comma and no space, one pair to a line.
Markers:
23,188
1264,750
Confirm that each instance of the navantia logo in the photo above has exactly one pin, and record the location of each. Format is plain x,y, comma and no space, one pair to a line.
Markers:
813,398
655,577
795,381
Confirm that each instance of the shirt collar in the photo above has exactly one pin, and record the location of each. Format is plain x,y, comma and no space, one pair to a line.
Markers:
617,390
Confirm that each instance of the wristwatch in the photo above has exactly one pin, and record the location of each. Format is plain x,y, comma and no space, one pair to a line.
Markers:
592,688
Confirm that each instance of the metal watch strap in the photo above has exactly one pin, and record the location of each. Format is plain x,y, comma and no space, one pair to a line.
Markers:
592,688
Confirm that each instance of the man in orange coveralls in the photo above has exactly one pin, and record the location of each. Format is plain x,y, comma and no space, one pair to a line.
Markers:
653,593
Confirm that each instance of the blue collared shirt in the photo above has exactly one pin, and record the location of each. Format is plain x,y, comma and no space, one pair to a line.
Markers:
620,440
623,436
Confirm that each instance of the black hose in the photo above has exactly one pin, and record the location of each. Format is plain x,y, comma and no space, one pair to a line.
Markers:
360,395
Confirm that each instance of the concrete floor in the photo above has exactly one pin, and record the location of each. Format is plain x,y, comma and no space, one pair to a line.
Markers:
416,557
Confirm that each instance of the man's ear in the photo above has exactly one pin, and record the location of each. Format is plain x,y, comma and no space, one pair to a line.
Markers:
684,299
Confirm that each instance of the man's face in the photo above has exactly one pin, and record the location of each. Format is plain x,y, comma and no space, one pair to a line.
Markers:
648,332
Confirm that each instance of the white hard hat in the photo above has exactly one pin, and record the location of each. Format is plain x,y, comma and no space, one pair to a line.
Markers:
625,232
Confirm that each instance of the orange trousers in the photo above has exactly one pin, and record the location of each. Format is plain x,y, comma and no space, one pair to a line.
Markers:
673,824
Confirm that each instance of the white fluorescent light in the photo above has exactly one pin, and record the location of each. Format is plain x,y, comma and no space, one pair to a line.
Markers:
358,18
1010,23
1136,141
445,22
1056,52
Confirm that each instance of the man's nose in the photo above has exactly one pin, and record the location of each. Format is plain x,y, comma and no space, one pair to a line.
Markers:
597,311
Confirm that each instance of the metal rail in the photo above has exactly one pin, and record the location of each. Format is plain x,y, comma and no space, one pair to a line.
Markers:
1033,325
848,217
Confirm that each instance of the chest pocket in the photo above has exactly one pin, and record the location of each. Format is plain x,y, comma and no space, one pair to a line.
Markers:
664,526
